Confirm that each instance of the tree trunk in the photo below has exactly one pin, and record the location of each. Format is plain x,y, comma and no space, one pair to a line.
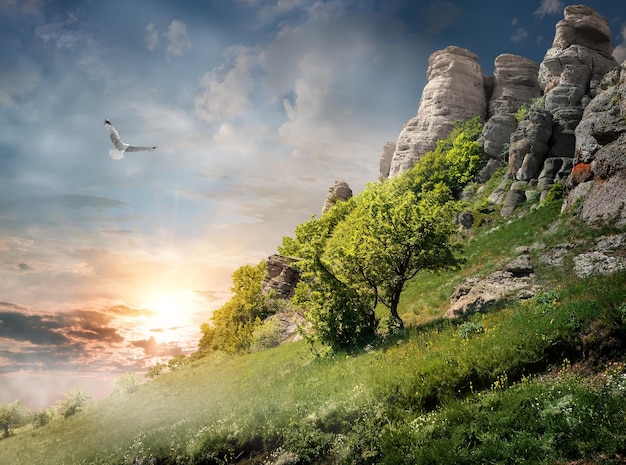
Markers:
395,321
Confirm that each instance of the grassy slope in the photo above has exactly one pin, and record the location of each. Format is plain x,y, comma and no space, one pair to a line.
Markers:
410,400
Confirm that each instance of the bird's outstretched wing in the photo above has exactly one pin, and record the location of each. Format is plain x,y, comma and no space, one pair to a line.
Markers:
121,146
139,148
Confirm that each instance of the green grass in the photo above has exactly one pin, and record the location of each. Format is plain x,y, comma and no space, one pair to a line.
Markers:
491,388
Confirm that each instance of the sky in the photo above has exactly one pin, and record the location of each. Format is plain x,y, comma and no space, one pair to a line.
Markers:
257,108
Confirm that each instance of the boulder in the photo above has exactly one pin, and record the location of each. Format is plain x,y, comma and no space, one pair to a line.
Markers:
455,91
515,196
497,133
340,191
282,276
477,294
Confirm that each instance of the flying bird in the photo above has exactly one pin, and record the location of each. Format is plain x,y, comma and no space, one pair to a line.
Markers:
121,147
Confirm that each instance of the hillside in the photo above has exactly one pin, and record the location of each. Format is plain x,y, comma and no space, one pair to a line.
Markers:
536,381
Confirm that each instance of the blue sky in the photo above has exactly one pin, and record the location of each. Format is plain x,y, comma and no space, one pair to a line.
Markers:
256,107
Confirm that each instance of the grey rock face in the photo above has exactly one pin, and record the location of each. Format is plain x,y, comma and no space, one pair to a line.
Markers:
497,134
599,172
555,169
455,91
340,191
384,164
571,74
282,277
529,145
516,83
515,196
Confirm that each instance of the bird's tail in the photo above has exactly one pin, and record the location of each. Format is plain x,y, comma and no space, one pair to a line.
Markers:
116,154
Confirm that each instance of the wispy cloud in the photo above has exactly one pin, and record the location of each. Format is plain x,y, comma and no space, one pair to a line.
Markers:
225,90
152,37
549,7
177,39
519,35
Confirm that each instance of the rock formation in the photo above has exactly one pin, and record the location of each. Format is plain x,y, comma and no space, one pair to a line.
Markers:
598,179
384,164
543,144
282,277
514,84
340,191
455,91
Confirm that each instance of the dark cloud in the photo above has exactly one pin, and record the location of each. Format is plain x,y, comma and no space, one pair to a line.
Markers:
149,346
60,340
36,329
152,348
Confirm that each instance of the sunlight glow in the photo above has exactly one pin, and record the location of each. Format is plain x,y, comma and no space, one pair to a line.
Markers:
170,311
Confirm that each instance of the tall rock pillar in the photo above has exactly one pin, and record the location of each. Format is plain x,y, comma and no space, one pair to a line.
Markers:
455,91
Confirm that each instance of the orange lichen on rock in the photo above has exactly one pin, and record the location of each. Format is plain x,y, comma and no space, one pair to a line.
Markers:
581,173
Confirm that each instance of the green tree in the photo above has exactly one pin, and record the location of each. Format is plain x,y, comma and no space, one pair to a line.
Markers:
177,361
341,317
42,417
126,384
74,401
233,324
156,370
12,415
387,239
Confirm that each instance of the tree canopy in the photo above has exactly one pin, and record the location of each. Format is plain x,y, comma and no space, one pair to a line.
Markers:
233,324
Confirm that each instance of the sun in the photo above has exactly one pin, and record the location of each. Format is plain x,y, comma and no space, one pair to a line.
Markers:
167,313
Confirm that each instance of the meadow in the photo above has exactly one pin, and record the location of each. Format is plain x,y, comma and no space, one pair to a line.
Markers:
535,381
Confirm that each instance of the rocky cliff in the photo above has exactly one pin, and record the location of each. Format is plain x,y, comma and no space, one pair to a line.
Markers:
572,131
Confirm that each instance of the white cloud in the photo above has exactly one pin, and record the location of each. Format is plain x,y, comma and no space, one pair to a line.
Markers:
549,7
152,37
519,35
620,50
177,38
179,41
514,21
226,89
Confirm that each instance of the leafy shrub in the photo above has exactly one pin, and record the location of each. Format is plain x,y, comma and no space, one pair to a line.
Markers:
266,336
74,401
536,103
454,162
126,384
555,192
